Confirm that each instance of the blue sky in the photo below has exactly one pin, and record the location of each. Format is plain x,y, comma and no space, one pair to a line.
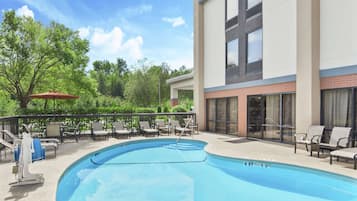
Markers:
161,31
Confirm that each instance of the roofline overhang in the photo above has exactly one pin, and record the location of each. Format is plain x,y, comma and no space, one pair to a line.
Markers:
180,78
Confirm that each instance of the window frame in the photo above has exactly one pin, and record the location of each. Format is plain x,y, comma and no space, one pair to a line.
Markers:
238,28
227,53
254,63
232,19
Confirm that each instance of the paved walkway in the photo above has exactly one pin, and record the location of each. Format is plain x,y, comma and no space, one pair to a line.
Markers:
52,168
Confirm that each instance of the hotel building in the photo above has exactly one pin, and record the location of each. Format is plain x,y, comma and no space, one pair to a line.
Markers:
270,68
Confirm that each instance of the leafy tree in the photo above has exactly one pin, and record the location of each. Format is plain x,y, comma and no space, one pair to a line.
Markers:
29,52
181,71
144,84
139,90
110,77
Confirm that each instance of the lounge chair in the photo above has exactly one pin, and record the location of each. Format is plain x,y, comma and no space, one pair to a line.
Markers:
120,130
147,130
52,133
97,130
191,124
47,145
73,132
339,138
162,127
348,153
6,145
182,130
311,137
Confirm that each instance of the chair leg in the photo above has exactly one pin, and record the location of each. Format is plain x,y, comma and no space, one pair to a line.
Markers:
330,159
311,150
306,147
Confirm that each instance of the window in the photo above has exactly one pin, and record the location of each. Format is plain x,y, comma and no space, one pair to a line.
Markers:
241,65
255,46
222,115
271,117
232,9
252,3
232,54
337,110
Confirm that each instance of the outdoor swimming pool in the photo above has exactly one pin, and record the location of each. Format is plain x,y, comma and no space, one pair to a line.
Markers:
162,169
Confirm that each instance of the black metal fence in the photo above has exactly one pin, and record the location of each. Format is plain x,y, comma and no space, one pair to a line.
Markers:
14,123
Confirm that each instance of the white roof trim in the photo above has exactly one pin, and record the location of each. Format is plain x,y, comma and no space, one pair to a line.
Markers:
180,78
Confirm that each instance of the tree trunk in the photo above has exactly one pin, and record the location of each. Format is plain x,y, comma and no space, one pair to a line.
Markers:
24,102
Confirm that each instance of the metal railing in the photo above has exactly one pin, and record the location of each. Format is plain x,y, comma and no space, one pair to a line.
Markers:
14,123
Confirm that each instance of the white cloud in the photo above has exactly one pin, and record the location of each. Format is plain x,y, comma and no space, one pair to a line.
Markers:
84,32
25,12
109,45
174,21
133,46
49,9
110,42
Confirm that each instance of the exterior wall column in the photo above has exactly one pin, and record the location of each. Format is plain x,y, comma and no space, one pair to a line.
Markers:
242,115
173,96
308,64
198,92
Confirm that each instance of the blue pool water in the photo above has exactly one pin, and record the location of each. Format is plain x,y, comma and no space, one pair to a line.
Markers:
163,170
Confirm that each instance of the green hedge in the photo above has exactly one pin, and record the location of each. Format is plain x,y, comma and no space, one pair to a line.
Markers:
179,108
91,110
144,110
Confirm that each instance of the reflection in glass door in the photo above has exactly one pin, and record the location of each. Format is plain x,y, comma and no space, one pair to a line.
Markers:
271,117
271,129
222,115
211,115
255,117
288,117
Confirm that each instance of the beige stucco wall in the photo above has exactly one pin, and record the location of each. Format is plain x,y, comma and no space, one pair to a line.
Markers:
279,38
214,43
338,33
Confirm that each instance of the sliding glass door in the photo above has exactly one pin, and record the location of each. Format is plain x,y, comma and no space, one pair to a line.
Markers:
288,117
222,115
337,109
271,117
271,128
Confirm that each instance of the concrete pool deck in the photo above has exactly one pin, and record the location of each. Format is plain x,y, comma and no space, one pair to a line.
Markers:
68,152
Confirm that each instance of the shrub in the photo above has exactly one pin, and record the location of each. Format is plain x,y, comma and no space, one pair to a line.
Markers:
144,110
179,108
159,109
166,109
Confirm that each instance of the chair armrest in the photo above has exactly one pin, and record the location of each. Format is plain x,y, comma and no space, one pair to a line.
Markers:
303,135
317,137
341,139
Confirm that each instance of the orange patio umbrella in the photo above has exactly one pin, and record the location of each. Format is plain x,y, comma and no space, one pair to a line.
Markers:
53,95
